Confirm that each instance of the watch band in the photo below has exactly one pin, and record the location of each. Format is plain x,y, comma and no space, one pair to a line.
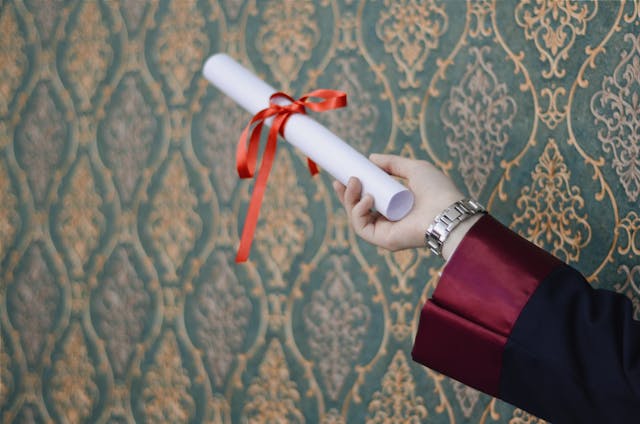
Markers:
449,219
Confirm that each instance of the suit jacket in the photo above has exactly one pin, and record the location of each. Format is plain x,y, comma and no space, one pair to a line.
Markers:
515,322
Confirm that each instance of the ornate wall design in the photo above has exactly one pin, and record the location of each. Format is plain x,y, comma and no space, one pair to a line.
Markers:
120,208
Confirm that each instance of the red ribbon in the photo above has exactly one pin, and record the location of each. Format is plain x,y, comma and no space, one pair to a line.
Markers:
247,155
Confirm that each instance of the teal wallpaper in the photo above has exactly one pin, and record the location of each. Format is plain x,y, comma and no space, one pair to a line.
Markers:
120,208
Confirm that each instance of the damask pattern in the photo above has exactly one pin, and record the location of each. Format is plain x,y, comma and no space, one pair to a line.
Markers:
616,107
73,386
336,320
409,31
13,57
128,133
554,26
121,309
120,208
478,112
550,209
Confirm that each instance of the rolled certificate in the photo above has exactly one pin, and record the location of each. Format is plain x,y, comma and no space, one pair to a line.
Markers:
322,146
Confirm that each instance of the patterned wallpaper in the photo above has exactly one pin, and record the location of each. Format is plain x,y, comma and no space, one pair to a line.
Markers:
120,208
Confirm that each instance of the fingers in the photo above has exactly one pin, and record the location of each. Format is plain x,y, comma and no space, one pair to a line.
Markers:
352,193
361,213
394,165
349,195
339,189
358,208
369,225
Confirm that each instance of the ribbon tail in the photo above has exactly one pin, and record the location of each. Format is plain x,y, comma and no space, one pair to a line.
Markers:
253,213
247,156
313,167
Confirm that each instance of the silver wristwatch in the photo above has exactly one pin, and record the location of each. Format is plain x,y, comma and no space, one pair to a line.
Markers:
449,219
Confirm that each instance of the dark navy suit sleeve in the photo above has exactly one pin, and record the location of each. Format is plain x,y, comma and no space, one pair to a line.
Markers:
515,322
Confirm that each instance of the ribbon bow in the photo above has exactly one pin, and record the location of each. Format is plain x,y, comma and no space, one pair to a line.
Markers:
247,155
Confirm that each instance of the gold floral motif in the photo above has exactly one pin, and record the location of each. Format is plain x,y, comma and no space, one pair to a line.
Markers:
13,60
284,224
628,229
401,326
396,402
285,48
409,30
630,286
348,26
9,218
172,302
89,54
404,259
221,312
409,120
121,409
73,387
478,114
336,320
276,315
617,109
120,308
81,220
480,10
180,126
174,223
35,298
356,123
634,16
219,410
332,417
129,132
403,265
165,396
40,140
272,396
553,26
522,417
466,396
552,116
46,14
181,47
550,208
629,226
221,125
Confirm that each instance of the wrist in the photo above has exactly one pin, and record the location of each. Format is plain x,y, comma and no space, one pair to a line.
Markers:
453,220
457,234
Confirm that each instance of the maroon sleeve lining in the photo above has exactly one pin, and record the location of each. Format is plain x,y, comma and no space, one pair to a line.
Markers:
483,288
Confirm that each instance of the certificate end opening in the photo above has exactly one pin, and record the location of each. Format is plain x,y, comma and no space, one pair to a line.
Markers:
400,205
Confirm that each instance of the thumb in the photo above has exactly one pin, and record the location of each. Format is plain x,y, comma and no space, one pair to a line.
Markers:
392,164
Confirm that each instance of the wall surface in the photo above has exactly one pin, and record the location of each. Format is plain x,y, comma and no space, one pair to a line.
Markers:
120,208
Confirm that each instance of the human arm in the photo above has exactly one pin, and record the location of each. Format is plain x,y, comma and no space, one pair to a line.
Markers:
515,322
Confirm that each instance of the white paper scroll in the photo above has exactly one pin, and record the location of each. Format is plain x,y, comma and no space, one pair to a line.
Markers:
332,154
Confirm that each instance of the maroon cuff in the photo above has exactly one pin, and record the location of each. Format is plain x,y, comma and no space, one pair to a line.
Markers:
483,288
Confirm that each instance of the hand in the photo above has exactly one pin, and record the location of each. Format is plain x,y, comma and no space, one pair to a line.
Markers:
433,192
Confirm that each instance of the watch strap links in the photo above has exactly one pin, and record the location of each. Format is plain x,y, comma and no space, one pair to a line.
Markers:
450,218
